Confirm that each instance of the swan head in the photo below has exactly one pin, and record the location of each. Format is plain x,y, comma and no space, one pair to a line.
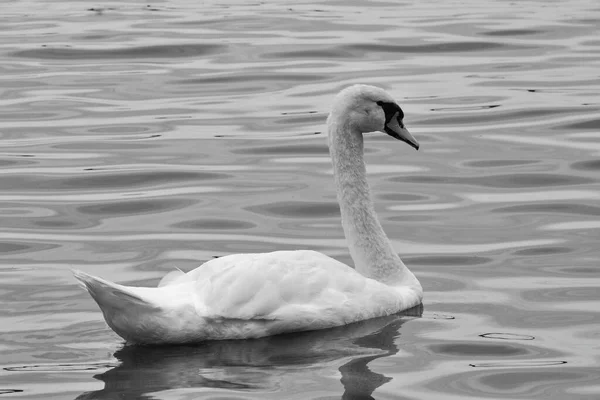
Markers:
372,109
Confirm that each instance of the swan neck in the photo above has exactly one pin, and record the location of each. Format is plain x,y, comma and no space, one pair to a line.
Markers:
369,246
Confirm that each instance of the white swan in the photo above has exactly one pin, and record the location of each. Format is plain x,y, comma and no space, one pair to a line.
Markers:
254,295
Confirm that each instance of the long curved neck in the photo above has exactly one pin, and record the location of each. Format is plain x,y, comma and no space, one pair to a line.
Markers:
369,246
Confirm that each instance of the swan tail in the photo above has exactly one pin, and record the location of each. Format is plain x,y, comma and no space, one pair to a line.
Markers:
137,314
111,296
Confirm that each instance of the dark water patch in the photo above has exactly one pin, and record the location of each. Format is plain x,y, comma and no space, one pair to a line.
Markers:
544,382
435,180
550,208
560,319
22,84
493,116
300,119
448,260
358,50
476,349
252,27
18,248
593,124
229,79
26,25
410,218
8,391
292,149
561,294
106,180
526,381
437,284
54,223
466,108
231,89
115,145
299,112
143,52
543,251
14,219
62,367
102,37
131,129
33,116
146,178
9,163
214,224
506,336
438,316
591,21
318,54
402,197
518,364
12,247
100,10
497,163
297,209
225,20
251,83
588,139
588,165
507,181
592,271
449,47
512,32
133,207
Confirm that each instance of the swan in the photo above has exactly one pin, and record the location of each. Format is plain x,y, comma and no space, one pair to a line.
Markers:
244,296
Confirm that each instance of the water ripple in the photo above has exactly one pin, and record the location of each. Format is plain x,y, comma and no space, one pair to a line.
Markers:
149,52
138,137
538,196
405,248
512,181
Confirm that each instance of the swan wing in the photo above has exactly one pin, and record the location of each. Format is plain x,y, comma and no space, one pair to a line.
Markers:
281,286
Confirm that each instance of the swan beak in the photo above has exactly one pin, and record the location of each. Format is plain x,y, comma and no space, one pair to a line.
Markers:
396,129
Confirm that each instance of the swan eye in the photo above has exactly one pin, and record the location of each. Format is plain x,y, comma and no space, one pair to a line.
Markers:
390,109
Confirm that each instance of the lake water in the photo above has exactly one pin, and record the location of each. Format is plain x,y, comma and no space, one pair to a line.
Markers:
137,136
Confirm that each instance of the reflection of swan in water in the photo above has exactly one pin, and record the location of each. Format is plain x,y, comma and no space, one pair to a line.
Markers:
271,366
254,295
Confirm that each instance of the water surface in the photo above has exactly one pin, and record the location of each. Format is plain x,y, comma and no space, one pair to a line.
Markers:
137,137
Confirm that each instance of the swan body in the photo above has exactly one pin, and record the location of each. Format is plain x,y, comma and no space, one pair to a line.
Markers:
255,295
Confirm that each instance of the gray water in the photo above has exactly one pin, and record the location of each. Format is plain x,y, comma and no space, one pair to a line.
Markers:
136,137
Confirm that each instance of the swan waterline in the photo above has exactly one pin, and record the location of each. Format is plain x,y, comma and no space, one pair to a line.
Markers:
244,296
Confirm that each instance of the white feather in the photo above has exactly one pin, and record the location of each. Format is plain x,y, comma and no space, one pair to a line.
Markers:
254,295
